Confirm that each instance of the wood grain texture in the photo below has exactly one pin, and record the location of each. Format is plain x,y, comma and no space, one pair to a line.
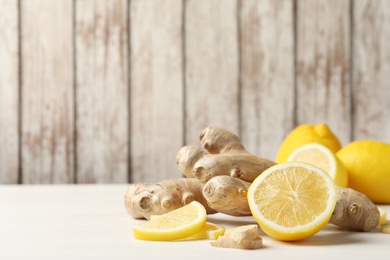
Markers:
102,91
47,91
109,91
9,92
156,88
323,65
371,70
267,79
211,67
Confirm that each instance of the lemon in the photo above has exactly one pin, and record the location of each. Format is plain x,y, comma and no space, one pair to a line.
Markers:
320,156
177,224
292,201
304,134
368,167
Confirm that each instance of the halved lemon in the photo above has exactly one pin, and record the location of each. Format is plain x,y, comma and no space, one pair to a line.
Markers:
292,201
322,157
177,224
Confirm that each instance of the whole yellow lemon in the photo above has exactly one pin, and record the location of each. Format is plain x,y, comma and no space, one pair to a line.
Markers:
304,134
368,167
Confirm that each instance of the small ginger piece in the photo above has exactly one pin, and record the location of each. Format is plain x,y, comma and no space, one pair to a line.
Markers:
227,195
243,237
226,242
242,232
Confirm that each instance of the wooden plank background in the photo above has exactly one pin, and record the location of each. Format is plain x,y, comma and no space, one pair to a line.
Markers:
108,91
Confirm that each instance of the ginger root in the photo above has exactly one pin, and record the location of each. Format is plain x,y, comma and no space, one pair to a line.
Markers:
186,158
143,200
226,156
354,210
227,195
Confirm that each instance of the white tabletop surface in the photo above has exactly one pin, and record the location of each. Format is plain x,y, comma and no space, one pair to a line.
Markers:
90,222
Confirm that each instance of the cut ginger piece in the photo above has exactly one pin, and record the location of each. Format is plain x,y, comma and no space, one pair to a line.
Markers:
243,237
242,232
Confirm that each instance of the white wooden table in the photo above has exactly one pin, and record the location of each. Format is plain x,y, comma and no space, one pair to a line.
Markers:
90,222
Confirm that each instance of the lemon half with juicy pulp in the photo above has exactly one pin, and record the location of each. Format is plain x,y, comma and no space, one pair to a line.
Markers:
322,157
292,201
177,224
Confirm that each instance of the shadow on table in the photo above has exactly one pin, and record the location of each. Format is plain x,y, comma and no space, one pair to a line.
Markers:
329,235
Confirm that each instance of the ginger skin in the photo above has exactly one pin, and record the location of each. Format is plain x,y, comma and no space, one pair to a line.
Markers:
227,195
143,200
354,210
186,158
227,156
219,140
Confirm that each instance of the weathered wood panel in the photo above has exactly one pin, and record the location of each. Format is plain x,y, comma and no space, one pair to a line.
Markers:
211,67
108,91
323,65
102,91
267,79
9,92
156,88
371,70
47,91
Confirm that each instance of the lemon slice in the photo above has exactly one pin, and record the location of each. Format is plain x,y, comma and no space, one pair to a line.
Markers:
382,216
385,228
292,201
177,224
322,157
211,231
